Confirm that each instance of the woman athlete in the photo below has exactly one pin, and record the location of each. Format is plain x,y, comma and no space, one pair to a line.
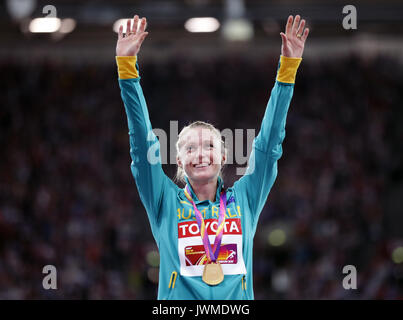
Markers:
204,231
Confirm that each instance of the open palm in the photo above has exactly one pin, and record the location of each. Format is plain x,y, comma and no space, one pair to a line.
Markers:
130,43
293,41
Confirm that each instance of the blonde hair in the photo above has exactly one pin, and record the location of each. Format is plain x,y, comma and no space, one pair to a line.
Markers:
180,173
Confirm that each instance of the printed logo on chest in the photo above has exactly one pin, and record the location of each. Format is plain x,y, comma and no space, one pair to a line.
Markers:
191,251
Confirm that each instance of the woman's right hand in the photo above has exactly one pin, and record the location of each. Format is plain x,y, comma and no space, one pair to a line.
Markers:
130,43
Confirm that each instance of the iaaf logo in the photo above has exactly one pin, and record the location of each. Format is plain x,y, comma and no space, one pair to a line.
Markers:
191,229
234,143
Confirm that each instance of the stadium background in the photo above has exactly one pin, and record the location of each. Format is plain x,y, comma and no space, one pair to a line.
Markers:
67,197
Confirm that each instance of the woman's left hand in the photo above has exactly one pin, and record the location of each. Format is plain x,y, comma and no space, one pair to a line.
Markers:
293,41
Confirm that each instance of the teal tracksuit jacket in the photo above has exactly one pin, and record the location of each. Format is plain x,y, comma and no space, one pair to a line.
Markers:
171,215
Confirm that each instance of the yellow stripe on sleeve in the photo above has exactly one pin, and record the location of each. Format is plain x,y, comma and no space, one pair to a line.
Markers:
127,67
288,69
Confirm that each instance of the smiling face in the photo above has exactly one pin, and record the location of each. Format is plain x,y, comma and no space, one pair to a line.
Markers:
200,154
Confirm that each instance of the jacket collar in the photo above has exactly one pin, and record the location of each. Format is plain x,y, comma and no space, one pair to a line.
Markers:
220,184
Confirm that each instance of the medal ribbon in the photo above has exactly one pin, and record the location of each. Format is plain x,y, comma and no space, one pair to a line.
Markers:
211,253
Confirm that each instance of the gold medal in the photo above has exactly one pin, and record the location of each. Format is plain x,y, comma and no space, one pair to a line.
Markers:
213,274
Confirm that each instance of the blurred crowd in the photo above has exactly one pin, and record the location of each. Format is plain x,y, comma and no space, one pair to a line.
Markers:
67,197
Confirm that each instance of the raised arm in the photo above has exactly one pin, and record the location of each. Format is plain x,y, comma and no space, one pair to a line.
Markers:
261,173
144,145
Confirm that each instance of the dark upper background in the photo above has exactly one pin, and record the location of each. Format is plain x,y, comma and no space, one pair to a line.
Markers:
67,197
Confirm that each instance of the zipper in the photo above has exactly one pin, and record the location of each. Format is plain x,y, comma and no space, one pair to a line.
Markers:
243,283
172,280
171,284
